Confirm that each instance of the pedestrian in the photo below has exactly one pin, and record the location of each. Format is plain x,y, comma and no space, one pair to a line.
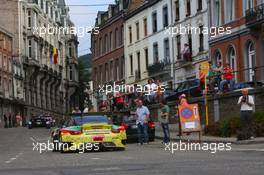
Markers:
119,101
246,103
10,120
186,53
86,109
5,120
142,114
159,96
229,78
164,121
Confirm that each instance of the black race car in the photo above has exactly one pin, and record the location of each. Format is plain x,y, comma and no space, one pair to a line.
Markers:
40,121
129,123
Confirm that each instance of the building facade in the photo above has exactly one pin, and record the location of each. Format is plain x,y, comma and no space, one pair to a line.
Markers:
190,20
42,85
148,50
243,48
6,72
107,46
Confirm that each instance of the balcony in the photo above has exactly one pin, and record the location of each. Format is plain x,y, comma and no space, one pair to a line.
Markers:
160,67
255,16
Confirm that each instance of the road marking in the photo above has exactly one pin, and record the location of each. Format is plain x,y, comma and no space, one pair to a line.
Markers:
13,158
95,158
106,169
257,150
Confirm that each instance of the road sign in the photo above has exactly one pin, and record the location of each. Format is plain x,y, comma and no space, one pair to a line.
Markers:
189,118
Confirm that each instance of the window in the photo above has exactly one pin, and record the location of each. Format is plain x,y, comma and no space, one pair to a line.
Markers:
121,36
29,48
71,73
229,10
9,65
247,4
101,74
100,46
190,40
154,22
146,57
201,39
145,21
122,67
105,43
231,55
188,8
41,4
70,50
177,10
167,50
165,16
137,30
117,73
131,64
250,61
110,41
216,12
130,34
217,58
116,37
138,61
47,7
178,41
111,70
94,48
156,52
29,19
106,73
199,5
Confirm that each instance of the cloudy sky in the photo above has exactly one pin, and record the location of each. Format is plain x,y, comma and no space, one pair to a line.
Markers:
84,16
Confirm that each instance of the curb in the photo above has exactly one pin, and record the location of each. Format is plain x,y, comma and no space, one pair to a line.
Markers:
242,142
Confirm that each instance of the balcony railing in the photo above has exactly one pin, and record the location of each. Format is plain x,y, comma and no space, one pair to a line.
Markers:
255,15
159,67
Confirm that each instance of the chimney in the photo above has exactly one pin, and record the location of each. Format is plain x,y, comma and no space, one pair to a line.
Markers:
110,11
121,5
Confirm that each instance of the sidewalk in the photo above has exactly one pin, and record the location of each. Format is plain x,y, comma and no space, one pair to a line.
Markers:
194,137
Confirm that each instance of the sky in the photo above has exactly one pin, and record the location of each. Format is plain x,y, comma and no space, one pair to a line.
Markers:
84,16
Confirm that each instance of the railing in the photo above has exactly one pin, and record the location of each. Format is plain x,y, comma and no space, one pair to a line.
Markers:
255,15
159,67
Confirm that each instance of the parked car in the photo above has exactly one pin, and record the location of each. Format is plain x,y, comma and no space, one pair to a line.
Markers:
128,121
190,88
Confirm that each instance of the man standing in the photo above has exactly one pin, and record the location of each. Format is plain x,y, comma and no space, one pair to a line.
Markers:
246,110
142,122
164,121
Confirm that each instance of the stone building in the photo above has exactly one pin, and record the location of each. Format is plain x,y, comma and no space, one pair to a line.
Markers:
243,48
6,73
107,46
46,86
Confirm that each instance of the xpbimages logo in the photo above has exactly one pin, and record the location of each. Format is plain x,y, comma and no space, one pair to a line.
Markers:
190,146
79,31
124,88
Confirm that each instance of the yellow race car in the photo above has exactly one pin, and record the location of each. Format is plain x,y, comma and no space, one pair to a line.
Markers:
90,133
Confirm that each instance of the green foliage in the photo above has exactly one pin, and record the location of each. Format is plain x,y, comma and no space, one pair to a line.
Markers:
229,126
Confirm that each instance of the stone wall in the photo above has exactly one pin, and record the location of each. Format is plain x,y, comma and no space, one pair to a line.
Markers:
220,106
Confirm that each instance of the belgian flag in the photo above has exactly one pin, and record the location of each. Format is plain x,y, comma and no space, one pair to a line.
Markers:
55,56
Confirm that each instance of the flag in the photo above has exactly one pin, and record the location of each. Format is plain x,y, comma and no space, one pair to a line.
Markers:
55,56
